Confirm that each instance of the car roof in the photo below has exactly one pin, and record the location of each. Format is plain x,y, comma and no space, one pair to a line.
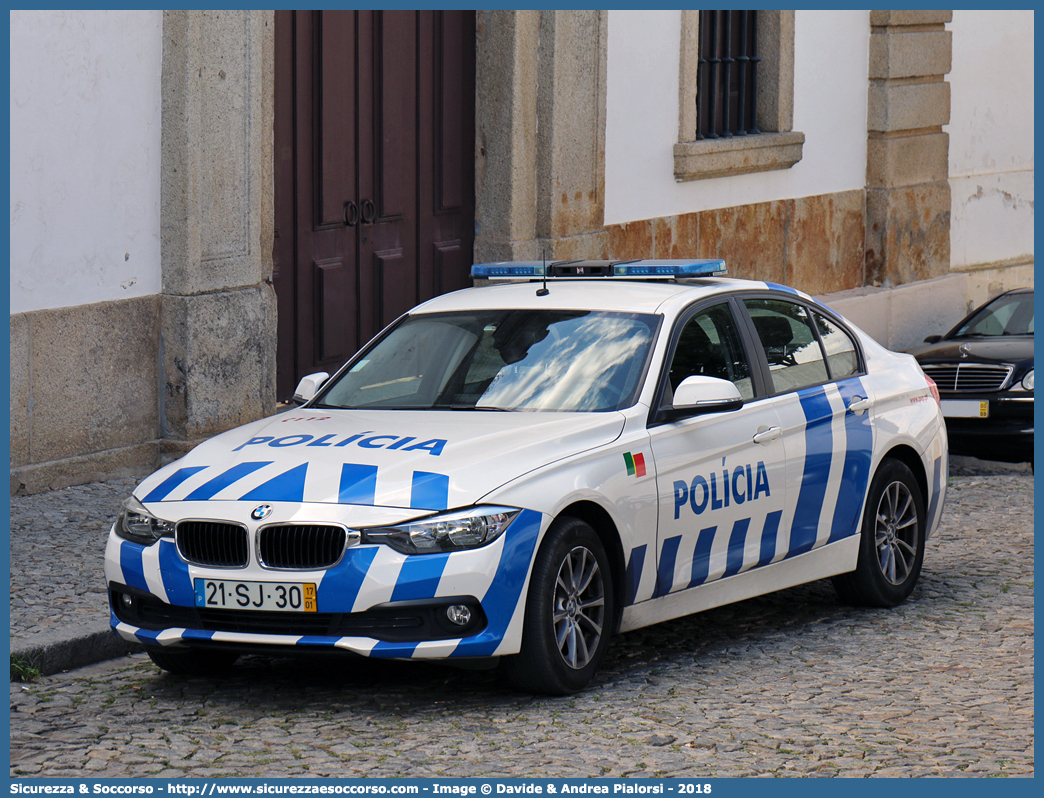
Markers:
622,295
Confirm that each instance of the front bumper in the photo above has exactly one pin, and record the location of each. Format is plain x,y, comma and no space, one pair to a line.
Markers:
375,602
1005,435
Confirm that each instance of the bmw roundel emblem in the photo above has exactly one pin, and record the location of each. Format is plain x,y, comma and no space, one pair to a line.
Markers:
261,512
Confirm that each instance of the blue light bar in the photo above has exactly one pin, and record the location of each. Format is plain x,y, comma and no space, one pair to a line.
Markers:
600,270
492,271
678,269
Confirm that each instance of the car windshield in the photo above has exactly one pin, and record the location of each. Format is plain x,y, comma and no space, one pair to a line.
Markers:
553,360
1007,315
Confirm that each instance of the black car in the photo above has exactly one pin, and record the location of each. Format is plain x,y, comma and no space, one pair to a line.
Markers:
984,370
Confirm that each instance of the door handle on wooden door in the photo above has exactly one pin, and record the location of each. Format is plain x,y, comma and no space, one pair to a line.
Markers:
351,213
369,211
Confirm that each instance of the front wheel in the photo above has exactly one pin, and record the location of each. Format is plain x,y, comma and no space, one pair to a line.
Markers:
569,613
891,546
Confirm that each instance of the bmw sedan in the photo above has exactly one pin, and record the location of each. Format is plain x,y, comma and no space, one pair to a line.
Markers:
515,473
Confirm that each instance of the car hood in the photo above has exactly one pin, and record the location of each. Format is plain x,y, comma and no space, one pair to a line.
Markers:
429,460
1006,349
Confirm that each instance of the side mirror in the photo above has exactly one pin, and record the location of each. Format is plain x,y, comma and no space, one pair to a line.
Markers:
933,339
697,395
309,386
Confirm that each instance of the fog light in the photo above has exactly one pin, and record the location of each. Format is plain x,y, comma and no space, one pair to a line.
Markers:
459,614
128,600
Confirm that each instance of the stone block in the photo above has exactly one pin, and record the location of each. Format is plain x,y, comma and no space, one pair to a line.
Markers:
21,397
825,242
908,234
899,54
901,18
216,149
907,106
907,160
985,284
925,308
218,361
570,132
506,124
136,461
738,155
586,246
93,377
677,237
630,240
750,238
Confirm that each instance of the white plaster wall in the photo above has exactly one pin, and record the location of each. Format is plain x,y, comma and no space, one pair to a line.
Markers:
85,156
643,61
991,138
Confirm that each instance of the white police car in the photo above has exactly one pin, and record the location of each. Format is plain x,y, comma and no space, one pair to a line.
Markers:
520,471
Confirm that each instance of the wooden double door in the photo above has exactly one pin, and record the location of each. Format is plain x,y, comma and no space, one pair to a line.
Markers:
374,173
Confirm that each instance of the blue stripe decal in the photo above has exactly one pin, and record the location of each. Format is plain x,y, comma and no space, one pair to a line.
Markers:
737,542
859,447
358,484
219,483
819,443
505,591
341,584
383,649
933,507
665,573
419,577
146,635
315,640
175,574
196,634
130,562
430,491
768,537
634,574
287,487
166,486
786,288
701,557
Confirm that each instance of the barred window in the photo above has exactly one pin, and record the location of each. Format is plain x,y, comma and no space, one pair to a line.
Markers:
726,78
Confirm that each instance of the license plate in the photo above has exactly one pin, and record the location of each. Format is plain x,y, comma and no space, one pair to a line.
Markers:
965,408
270,596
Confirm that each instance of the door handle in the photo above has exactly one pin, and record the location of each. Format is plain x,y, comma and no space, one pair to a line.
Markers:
859,404
351,213
369,211
766,434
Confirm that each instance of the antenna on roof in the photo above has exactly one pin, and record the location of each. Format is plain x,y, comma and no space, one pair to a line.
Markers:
543,291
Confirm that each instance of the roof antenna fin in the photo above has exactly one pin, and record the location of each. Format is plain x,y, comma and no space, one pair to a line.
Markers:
543,291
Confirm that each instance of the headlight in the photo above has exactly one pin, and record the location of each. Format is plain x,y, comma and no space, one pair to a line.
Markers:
463,529
138,525
1027,381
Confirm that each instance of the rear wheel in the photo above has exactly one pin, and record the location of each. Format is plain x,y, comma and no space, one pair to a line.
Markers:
569,612
193,662
891,546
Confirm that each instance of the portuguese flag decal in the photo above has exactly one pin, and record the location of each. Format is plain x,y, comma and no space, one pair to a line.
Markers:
635,464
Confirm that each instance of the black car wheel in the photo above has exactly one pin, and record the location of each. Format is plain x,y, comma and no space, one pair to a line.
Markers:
891,546
193,662
569,612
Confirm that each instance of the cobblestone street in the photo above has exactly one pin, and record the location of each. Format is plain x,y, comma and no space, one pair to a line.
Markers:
791,684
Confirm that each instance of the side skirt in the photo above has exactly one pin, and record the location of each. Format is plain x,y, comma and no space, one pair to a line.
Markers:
834,558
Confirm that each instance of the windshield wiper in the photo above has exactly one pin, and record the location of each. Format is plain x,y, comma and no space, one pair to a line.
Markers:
483,408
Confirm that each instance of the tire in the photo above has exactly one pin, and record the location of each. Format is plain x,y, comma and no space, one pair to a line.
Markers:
193,662
891,545
569,613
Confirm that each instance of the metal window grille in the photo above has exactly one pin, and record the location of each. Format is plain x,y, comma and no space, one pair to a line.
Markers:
726,77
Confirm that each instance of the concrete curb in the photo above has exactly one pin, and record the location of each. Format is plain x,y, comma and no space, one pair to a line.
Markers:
67,647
